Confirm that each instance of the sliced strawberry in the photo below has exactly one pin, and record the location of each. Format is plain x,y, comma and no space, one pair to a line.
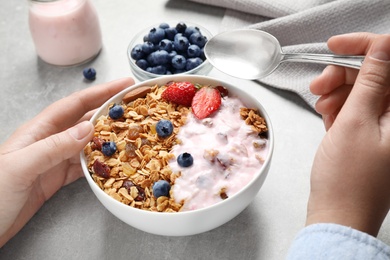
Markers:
205,102
180,93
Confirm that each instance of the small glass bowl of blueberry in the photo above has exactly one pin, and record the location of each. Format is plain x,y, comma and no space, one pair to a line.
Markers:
169,48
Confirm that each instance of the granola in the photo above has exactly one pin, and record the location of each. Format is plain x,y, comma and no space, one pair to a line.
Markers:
142,157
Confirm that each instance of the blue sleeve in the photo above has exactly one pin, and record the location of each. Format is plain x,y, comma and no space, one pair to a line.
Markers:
331,241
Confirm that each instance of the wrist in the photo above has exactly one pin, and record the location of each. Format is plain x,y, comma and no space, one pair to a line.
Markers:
361,219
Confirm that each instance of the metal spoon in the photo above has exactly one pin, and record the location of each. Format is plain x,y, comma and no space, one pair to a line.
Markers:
254,54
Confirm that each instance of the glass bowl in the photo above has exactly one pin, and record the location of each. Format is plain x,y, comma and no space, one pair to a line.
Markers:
203,69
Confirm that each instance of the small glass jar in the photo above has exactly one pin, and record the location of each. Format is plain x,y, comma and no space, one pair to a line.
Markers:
65,32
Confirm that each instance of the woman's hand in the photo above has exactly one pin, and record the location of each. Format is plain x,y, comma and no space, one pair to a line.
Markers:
351,172
43,154
335,83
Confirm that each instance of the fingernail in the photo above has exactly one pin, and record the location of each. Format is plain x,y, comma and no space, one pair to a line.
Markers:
81,130
380,49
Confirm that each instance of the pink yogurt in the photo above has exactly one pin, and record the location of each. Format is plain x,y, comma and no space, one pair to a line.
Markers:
65,32
226,155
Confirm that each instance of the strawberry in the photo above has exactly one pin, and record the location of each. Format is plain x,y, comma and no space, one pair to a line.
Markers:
180,93
205,102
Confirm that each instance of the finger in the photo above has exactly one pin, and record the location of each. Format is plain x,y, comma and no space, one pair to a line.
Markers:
64,114
87,116
332,102
328,120
67,111
369,93
49,152
352,43
331,78
75,172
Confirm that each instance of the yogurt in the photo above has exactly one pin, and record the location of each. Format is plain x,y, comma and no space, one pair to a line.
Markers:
226,152
65,32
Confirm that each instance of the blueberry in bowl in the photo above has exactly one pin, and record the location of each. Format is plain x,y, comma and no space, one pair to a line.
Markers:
169,49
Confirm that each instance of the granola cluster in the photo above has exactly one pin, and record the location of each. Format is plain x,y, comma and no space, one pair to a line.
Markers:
142,157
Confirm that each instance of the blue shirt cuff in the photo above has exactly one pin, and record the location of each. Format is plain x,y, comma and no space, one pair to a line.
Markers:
332,241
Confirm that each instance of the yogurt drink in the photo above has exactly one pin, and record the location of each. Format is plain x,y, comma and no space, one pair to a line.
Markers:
65,32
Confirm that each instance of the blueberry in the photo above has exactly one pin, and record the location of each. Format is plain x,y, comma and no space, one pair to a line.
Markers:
172,54
164,128
157,54
156,35
108,148
147,47
169,69
181,44
185,160
150,59
170,33
202,55
177,36
116,111
161,188
159,69
168,66
192,63
137,53
160,57
142,63
177,71
193,51
179,62
89,73
181,27
198,39
164,26
190,30
165,45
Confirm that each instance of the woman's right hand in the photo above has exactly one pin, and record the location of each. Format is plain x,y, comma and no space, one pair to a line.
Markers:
350,177
335,83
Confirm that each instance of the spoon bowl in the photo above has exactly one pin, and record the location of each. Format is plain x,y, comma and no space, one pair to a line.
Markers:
254,54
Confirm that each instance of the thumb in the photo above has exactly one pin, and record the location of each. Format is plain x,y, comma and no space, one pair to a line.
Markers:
49,152
373,82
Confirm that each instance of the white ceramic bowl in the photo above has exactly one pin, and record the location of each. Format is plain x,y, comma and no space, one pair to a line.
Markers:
141,74
195,221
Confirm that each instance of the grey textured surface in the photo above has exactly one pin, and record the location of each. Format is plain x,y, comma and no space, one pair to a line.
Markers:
74,225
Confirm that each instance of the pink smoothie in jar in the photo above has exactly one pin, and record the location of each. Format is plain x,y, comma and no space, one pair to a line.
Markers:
65,32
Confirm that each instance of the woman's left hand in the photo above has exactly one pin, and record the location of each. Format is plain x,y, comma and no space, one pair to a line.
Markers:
43,154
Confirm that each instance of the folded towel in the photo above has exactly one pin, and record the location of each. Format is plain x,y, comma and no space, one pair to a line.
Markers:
303,26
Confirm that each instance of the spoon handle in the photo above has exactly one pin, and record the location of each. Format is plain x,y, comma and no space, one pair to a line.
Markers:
340,60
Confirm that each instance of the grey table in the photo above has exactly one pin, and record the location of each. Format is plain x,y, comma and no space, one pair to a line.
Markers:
74,225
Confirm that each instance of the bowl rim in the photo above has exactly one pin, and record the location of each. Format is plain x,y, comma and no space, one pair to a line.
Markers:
142,32
190,78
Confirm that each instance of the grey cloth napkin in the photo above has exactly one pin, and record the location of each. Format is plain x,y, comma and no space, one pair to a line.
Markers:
303,26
